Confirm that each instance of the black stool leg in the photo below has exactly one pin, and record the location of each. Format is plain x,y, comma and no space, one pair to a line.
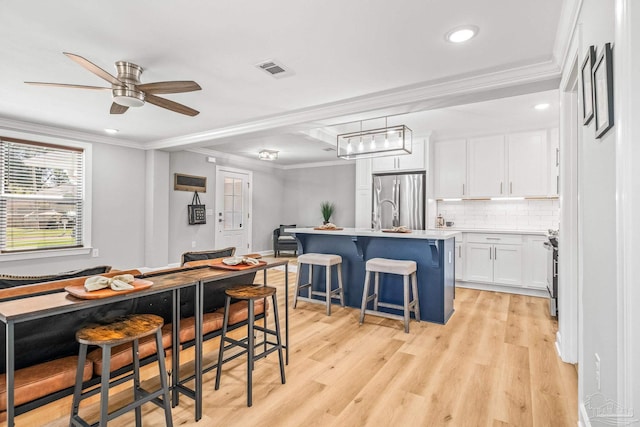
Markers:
278,340
136,381
225,323
77,391
163,380
250,352
104,385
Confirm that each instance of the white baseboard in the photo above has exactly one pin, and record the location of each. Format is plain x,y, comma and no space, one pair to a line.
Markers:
504,288
583,417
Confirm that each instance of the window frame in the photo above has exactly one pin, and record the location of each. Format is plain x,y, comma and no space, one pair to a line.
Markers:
86,197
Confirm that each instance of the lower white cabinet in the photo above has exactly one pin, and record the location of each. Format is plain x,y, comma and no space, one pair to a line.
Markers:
494,263
459,260
536,255
513,261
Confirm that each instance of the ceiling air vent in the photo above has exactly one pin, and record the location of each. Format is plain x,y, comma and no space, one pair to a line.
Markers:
275,69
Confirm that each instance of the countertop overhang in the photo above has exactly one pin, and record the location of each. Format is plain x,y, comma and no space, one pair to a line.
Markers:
365,232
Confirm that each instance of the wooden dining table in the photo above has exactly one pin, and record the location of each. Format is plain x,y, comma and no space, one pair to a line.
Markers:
42,306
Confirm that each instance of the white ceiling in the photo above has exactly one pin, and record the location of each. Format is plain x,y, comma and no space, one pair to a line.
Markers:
350,60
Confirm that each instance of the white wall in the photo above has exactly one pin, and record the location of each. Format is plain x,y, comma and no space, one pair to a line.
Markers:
118,191
306,188
597,221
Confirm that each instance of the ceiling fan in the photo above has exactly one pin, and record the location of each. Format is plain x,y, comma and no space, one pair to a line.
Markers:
127,90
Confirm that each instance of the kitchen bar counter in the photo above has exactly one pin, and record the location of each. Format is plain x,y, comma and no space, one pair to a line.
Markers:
433,250
491,230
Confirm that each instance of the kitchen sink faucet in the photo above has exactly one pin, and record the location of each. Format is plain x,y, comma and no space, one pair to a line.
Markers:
377,220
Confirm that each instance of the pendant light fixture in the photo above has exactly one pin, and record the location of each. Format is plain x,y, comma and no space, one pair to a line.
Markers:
379,142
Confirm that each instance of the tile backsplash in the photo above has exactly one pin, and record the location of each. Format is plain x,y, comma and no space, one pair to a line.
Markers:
501,214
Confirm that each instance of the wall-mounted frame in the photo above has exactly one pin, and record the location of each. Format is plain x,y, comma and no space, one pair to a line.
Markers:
603,91
184,182
586,84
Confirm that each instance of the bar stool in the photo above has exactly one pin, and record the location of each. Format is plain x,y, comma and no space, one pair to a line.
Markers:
391,266
250,293
124,330
322,260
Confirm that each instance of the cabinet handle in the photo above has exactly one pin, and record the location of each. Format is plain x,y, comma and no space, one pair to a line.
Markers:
557,184
463,189
495,253
460,251
490,252
557,157
500,188
493,238
511,188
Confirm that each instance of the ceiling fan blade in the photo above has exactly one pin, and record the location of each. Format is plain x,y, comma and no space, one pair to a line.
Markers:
169,87
118,109
68,85
171,105
93,68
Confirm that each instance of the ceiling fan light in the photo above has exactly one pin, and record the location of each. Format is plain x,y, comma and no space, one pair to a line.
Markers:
127,97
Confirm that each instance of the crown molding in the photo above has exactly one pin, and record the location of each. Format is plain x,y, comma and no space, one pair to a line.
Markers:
26,129
320,164
566,29
491,80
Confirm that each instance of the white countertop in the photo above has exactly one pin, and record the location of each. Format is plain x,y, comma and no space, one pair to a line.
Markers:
415,234
492,230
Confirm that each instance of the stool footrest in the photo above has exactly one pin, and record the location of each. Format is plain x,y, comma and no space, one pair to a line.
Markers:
324,294
383,314
372,297
387,305
313,300
306,285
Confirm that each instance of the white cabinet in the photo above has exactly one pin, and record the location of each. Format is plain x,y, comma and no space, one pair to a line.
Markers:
494,258
460,258
363,194
535,267
527,164
450,168
487,172
508,166
553,183
406,162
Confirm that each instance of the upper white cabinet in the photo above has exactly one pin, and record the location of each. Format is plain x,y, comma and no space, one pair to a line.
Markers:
527,164
450,168
487,166
553,155
414,161
363,193
519,164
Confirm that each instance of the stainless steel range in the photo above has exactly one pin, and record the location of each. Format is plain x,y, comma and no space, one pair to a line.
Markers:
552,271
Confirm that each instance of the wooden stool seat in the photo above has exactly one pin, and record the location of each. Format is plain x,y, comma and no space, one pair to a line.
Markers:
405,268
321,260
250,293
127,329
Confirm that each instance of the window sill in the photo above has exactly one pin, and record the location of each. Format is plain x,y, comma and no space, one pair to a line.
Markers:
45,254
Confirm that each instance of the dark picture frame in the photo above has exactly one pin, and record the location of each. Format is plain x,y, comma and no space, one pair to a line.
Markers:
603,91
586,84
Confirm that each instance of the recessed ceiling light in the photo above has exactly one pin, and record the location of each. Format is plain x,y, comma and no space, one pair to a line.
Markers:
111,131
462,34
541,106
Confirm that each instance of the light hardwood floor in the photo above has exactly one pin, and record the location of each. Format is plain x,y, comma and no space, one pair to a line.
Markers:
493,364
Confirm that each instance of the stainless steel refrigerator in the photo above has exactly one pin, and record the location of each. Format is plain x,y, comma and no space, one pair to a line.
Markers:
399,199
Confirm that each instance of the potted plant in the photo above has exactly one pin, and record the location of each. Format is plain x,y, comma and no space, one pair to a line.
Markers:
327,209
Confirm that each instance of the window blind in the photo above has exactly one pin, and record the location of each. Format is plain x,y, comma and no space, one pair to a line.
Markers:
41,196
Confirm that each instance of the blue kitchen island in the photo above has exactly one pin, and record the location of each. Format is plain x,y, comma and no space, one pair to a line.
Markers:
433,250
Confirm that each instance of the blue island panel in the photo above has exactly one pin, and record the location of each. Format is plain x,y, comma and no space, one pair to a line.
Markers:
434,257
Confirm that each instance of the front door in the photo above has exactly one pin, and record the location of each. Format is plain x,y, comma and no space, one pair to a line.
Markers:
233,209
